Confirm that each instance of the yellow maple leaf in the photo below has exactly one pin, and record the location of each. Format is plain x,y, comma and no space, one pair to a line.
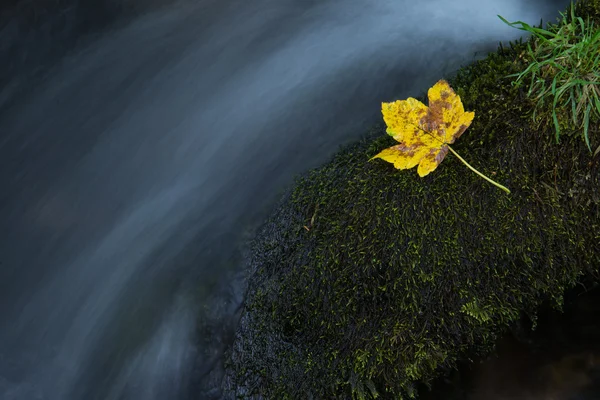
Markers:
425,133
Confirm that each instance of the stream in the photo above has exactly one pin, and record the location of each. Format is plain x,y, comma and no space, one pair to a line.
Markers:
140,146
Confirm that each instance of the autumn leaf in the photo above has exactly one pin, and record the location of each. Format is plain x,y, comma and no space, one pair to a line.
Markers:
425,133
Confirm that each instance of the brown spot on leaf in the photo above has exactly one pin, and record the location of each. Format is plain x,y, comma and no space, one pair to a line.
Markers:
460,131
441,154
407,150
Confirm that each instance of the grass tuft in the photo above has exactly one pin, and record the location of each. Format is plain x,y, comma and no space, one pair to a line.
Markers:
563,70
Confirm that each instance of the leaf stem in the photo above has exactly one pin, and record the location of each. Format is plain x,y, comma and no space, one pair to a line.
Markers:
477,172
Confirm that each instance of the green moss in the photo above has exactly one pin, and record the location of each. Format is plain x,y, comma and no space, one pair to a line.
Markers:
369,279
589,8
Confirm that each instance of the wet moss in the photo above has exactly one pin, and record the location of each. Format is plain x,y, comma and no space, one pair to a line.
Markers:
589,8
367,280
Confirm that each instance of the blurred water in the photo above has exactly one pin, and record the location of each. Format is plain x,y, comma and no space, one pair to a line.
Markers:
134,167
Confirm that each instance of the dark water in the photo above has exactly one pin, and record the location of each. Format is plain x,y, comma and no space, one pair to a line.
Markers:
142,141
558,360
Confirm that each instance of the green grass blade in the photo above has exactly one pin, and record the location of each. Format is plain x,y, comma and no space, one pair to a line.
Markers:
596,99
586,124
595,36
539,32
556,125
572,97
505,21
581,25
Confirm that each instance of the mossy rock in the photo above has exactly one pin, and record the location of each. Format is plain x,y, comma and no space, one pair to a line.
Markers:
367,280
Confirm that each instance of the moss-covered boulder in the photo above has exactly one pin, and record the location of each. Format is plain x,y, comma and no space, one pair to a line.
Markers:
367,280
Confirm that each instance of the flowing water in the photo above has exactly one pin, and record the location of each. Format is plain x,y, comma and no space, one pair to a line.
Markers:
134,165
